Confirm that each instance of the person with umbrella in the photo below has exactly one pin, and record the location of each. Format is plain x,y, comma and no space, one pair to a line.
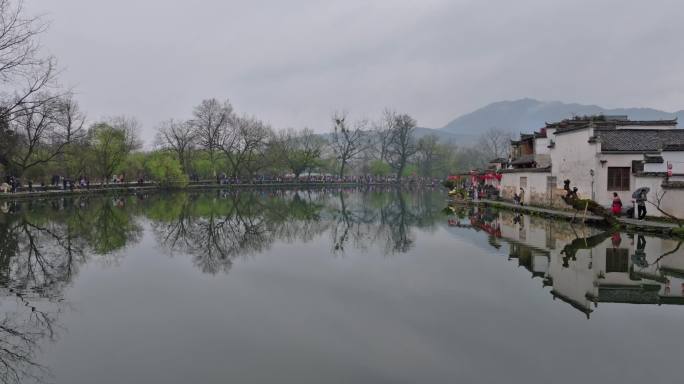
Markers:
640,196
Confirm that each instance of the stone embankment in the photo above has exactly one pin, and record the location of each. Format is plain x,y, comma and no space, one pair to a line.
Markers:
647,226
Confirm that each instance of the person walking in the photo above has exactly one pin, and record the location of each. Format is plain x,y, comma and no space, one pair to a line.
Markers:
616,207
641,204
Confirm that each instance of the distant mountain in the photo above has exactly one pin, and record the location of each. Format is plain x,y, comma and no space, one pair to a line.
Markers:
445,136
526,115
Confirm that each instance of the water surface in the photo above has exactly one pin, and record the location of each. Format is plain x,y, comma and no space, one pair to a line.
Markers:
328,286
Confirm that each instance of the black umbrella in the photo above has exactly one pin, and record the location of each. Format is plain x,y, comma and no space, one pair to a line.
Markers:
637,193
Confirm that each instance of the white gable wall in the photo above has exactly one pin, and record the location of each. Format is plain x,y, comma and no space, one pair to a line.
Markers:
572,158
677,160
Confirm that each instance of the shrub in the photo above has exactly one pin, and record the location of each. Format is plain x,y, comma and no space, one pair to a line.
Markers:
166,170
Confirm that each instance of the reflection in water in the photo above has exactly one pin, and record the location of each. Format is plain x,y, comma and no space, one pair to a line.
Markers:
215,229
44,245
585,266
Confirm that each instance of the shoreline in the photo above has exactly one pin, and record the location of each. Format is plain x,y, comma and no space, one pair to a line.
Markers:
150,187
632,225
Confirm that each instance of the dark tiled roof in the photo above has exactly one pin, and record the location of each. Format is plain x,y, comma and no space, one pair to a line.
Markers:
526,170
603,122
639,140
525,159
628,295
650,159
646,123
499,160
673,185
673,147
656,174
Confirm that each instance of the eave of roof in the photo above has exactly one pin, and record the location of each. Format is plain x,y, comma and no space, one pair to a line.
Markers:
525,170
561,131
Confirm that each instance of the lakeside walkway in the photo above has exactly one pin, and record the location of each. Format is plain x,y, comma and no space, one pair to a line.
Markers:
645,225
135,187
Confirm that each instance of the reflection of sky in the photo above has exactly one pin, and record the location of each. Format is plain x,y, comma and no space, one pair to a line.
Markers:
451,309
294,314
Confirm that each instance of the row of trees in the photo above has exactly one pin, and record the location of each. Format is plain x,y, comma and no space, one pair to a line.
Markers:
44,132
216,140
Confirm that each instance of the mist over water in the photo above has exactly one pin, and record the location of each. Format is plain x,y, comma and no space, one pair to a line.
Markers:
328,285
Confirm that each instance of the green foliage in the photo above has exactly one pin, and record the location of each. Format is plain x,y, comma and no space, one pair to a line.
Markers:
380,168
133,166
109,146
165,170
410,170
678,232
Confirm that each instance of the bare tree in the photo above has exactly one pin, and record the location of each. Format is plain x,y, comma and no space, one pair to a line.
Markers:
211,121
430,156
299,150
70,117
25,75
24,72
71,121
347,142
382,132
179,137
37,136
658,204
245,143
131,126
495,143
402,145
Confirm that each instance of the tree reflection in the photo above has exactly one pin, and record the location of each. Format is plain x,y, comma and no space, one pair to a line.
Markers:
215,230
21,331
44,243
42,246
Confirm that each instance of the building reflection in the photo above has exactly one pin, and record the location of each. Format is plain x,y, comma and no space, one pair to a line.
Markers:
584,266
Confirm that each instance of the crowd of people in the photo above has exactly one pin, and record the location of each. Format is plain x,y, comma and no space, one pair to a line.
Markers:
222,178
13,184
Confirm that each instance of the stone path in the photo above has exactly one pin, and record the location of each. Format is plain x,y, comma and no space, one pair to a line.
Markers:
579,216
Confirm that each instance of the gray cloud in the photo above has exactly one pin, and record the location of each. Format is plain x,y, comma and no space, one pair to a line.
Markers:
293,62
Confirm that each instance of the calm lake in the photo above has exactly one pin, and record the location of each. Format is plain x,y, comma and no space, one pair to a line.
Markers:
328,286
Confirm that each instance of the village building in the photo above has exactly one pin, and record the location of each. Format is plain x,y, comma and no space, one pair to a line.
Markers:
599,155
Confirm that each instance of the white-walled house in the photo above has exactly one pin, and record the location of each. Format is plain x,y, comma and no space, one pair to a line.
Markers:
599,155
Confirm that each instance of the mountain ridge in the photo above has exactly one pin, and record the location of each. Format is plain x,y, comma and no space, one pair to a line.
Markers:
527,114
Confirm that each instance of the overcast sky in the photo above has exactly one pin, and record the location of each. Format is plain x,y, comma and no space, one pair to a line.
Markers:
293,62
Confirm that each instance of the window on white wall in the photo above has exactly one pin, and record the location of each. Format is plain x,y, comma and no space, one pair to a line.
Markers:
618,178
523,182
